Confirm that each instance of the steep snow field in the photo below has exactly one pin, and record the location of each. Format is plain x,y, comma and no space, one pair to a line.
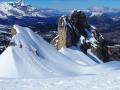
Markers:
78,56
34,64
33,57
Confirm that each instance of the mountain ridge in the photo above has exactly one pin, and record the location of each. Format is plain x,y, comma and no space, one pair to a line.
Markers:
20,9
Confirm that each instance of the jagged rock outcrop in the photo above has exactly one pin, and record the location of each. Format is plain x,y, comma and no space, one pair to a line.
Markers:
72,28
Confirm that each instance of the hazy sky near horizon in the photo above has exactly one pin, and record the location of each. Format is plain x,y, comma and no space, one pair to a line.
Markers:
72,4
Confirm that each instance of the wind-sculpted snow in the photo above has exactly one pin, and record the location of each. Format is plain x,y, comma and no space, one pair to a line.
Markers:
33,57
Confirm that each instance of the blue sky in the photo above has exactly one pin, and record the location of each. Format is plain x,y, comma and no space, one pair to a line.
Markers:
72,4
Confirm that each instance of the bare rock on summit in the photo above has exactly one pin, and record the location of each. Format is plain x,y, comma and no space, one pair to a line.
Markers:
70,30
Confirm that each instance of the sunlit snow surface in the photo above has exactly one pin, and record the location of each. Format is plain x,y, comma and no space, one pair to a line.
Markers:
109,81
39,66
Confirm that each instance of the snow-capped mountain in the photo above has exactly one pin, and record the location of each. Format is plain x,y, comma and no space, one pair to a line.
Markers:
38,58
98,11
20,9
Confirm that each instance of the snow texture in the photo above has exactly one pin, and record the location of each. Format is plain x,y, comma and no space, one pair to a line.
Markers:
109,81
34,64
32,57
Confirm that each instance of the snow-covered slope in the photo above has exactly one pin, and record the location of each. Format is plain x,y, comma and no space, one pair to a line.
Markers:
32,57
109,81
78,56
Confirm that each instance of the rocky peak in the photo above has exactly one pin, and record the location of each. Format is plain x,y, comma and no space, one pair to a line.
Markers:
74,27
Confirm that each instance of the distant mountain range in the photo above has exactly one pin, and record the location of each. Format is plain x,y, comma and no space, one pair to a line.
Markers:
111,12
24,14
44,19
20,9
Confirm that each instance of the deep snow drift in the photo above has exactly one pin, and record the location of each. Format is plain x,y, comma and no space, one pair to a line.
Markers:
32,57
